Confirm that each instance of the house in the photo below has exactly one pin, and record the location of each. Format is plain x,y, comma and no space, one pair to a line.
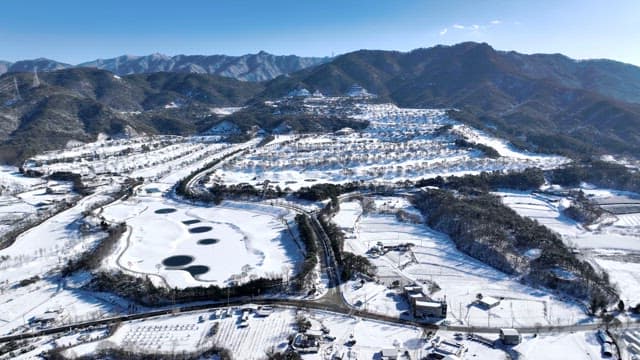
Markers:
45,319
412,289
264,311
302,92
510,336
414,297
421,305
607,350
359,92
305,343
487,302
429,309
444,348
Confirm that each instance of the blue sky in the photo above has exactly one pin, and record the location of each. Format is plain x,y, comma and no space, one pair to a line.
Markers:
76,31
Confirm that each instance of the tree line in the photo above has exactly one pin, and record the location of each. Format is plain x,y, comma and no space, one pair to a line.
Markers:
141,290
481,226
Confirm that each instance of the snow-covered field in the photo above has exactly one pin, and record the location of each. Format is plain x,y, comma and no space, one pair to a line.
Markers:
561,346
612,245
399,144
25,198
460,277
49,245
11,181
21,304
235,241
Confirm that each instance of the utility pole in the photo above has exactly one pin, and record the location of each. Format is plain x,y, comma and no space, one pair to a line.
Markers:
512,317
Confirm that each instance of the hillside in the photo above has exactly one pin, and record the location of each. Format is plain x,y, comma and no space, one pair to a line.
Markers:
78,104
250,67
545,103
541,102
41,64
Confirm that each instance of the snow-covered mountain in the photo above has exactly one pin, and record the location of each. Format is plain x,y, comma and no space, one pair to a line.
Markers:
251,67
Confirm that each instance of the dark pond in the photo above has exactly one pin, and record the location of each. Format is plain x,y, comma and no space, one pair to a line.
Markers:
196,270
200,229
208,241
165,211
178,260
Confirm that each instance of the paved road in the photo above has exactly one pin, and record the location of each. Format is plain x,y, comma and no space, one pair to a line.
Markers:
305,304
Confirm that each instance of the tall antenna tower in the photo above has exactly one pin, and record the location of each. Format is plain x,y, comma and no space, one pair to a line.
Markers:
36,80
15,86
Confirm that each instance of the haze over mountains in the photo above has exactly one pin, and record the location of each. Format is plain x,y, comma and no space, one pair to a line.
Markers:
251,67
548,103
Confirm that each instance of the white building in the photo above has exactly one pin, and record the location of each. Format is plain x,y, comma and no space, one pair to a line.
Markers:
510,336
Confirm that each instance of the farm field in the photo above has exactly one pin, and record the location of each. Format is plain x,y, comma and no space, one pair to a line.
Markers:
24,198
22,304
612,245
460,278
49,245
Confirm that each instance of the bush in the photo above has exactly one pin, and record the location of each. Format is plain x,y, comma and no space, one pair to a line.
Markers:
29,281
487,150
528,179
600,173
75,179
353,264
92,258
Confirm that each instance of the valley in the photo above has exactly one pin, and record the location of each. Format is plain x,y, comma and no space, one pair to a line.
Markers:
194,244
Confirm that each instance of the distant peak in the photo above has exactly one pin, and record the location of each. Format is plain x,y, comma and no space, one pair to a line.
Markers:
158,55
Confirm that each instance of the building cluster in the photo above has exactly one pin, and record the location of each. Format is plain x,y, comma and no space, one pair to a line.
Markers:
423,307
48,318
355,91
380,249
447,349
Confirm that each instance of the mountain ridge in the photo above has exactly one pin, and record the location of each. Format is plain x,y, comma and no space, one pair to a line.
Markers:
543,102
261,66
547,103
